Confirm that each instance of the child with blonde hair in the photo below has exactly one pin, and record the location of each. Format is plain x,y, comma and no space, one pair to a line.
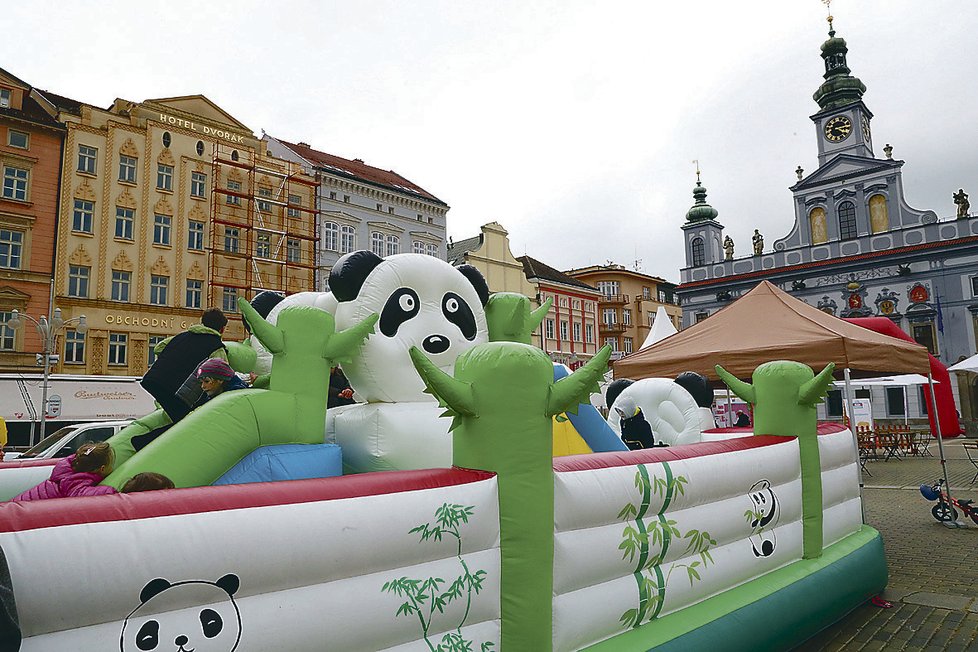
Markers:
76,475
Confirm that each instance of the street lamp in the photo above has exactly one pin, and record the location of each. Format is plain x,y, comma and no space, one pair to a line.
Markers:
47,329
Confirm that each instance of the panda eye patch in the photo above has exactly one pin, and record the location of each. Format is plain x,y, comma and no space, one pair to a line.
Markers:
211,623
401,306
148,636
458,312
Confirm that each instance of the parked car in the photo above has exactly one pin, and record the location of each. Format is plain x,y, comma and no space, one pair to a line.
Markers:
65,441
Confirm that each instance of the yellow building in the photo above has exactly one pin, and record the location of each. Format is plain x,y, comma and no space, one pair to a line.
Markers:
628,304
168,207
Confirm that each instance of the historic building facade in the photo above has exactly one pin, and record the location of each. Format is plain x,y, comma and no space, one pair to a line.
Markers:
856,247
364,207
30,162
628,304
170,206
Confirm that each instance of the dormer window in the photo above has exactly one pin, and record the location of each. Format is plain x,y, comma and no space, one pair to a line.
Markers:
4,98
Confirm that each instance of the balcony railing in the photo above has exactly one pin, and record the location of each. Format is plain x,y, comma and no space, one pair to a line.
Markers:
611,328
614,298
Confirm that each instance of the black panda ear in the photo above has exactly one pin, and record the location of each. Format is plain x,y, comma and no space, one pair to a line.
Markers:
350,271
698,387
229,583
614,389
153,588
477,280
263,303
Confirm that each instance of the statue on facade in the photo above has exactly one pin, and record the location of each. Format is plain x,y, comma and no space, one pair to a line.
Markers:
758,241
961,201
728,248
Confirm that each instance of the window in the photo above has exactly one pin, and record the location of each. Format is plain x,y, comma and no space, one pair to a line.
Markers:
330,236
628,345
847,220
127,168
380,207
4,98
86,159
390,209
348,239
118,343
231,239
161,229
700,316
332,195
200,148
153,341
78,281
6,332
234,155
696,247
11,245
195,236
198,182
626,317
194,288
833,403
346,199
377,243
74,347
124,218
159,287
294,200
431,250
609,316
167,139
82,218
651,318
229,300
895,402
923,394
607,288
14,184
923,334
234,186
589,333
577,331
264,206
549,329
663,297
974,286
164,177
263,245
417,247
612,342
293,251
646,294
420,217
120,285
563,331
393,245
18,139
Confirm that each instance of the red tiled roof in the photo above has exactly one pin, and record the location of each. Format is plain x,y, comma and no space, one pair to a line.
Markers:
828,262
359,170
533,268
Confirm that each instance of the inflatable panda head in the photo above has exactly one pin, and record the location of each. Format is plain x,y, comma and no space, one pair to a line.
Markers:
193,615
422,301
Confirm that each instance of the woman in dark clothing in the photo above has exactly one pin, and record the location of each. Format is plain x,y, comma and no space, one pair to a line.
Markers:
340,392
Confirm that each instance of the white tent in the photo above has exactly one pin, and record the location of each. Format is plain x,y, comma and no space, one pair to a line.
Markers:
971,365
662,327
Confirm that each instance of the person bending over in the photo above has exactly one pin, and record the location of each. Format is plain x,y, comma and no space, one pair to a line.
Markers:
76,475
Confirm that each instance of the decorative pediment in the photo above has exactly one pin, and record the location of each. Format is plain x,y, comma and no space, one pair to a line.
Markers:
160,268
197,213
265,181
85,191
845,167
166,158
234,175
80,257
200,167
122,262
195,271
163,207
125,199
201,107
11,297
129,148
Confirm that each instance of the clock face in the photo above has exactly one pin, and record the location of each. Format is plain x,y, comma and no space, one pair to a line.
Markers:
865,124
838,128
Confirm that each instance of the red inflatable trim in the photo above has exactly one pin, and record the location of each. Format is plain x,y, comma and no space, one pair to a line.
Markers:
56,512
18,463
665,454
823,428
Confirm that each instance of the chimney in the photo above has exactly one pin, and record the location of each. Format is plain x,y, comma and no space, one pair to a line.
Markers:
301,144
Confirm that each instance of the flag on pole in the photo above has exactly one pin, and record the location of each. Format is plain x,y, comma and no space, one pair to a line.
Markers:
940,315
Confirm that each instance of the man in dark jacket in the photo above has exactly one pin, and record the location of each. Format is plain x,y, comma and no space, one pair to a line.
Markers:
179,356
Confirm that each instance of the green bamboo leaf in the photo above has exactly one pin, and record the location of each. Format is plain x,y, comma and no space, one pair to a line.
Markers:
629,617
487,646
692,573
628,511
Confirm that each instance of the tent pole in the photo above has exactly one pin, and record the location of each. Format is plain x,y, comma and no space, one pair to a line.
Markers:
940,439
729,410
855,441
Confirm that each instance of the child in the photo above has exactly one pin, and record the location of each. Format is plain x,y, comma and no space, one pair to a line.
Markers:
147,481
216,376
76,475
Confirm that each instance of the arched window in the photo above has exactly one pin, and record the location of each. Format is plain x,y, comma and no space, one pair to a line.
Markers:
417,246
879,215
696,246
393,245
847,220
377,243
330,236
816,220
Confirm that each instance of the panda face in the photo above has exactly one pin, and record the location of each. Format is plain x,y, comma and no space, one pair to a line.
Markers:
184,617
423,302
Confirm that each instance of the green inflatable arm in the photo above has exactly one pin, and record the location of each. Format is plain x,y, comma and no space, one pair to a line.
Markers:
511,319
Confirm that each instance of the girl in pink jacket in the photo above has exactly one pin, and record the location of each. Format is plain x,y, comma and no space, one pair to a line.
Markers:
76,475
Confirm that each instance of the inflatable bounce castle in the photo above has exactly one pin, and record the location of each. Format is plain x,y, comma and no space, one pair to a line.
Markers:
266,544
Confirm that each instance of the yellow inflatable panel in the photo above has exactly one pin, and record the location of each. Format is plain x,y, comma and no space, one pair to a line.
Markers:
566,439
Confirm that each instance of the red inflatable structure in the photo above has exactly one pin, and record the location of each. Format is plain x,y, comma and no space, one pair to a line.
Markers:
946,410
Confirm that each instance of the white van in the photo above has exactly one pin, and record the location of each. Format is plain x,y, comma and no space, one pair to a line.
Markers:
65,441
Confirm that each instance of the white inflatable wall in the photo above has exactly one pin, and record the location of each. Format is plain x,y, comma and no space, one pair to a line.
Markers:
672,411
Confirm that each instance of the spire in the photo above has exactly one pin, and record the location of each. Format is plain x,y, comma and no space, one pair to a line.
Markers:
700,211
840,87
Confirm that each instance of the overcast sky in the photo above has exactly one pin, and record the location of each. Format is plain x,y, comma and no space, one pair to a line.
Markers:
571,123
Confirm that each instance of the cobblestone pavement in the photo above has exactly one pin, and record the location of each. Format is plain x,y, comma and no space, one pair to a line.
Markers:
933,569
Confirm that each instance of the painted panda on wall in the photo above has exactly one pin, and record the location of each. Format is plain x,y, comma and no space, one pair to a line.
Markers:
422,301
194,615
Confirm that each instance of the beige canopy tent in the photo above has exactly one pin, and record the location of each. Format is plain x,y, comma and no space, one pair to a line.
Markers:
769,324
